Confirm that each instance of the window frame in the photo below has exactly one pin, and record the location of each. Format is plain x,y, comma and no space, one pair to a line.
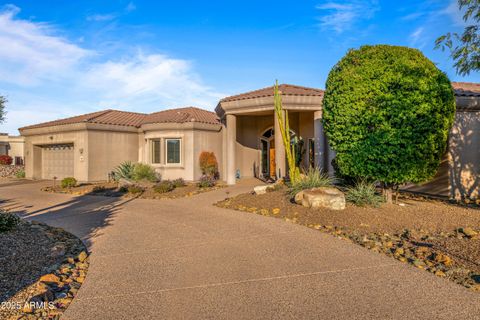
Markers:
180,155
152,151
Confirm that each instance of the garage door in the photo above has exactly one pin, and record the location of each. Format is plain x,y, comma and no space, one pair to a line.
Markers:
57,161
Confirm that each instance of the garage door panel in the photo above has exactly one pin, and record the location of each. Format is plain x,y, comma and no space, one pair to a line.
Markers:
57,161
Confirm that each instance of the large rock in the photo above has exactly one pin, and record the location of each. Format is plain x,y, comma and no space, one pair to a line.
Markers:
261,189
324,197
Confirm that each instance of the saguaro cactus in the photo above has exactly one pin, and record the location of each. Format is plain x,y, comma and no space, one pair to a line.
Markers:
293,170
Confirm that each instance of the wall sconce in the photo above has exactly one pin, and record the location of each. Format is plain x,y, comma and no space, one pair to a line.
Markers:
51,137
81,150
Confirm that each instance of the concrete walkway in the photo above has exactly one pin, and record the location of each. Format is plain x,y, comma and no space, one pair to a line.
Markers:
186,259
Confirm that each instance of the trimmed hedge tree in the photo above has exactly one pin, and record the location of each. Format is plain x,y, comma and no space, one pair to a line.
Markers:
387,114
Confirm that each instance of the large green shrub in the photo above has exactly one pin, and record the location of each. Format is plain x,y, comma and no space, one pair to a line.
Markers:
68,182
313,178
144,172
8,221
387,113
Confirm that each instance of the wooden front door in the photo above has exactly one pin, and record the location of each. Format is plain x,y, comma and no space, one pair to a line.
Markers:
272,158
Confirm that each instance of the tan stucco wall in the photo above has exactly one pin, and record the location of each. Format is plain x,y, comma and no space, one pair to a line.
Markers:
464,155
247,152
107,149
195,139
12,145
210,141
33,152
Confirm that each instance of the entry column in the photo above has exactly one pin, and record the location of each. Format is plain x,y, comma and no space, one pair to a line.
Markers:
280,160
320,141
231,142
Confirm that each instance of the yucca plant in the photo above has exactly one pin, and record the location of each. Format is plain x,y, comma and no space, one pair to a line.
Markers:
124,171
313,178
362,194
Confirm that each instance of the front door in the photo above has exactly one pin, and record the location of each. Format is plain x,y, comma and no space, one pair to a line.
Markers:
272,158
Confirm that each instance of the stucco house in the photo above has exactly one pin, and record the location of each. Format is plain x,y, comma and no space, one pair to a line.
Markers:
242,132
12,146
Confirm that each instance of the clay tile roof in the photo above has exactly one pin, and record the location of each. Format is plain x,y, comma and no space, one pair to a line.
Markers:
285,89
181,115
113,117
466,89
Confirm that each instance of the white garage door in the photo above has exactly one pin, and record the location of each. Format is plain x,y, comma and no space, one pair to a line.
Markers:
57,161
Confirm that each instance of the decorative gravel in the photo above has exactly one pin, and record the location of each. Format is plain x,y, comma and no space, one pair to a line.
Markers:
41,269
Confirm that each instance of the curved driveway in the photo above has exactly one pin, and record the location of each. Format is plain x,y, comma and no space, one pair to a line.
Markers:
186,259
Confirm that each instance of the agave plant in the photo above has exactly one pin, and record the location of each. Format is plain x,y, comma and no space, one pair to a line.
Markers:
124,171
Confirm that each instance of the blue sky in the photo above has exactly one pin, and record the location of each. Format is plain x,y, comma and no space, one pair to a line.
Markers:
62,58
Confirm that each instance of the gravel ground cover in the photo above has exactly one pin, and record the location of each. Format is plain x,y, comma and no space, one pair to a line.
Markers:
436,236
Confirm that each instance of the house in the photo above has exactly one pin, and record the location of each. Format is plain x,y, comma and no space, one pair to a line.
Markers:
243,132
12,146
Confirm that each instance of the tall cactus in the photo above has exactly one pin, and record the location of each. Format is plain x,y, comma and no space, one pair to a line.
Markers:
293,170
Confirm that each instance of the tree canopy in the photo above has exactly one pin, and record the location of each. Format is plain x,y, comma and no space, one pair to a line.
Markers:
387,114
465,47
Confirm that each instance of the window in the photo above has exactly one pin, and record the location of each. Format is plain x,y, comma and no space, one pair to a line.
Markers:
173,151
156,151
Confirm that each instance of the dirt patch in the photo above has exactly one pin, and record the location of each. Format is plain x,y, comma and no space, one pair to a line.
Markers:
426,233
42,269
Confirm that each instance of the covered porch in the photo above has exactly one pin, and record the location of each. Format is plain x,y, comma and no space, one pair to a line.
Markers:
253,146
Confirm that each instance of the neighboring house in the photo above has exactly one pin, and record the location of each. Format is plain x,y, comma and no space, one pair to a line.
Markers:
12,146
243,133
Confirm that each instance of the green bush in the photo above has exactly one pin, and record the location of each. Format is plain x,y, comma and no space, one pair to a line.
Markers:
20,174
179,183
363,194
123,171
387,112
164,186
68,182
8,221
134,189
144,172
207,181
313,178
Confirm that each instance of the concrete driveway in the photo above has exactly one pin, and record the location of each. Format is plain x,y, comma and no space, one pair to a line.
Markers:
186,259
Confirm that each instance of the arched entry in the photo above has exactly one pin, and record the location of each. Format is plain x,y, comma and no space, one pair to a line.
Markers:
267,157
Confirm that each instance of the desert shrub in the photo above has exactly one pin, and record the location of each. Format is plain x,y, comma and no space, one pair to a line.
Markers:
179,183
207,181
123,171
313,178
363,193
164,186
6,160
143,171
134,189
20,174
8,221
68,182
208,164
387,112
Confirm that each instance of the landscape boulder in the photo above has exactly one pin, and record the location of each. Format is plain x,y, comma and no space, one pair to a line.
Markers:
261,189
323,197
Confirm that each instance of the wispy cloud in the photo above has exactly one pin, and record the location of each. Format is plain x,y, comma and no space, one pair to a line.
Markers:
130,7
341,16
40,70
416,38
101,17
